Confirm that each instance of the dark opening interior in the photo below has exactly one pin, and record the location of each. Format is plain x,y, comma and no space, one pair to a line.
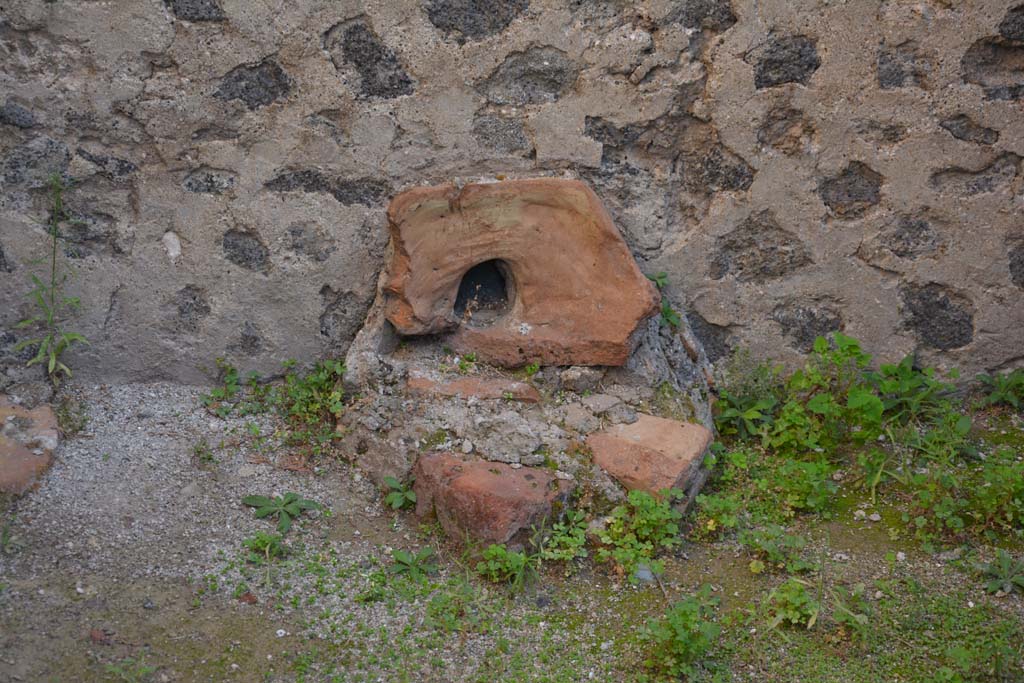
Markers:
484,294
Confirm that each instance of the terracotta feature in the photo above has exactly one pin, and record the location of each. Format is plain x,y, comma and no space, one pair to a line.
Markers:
575,295
491,502
480,387
27,441
651,454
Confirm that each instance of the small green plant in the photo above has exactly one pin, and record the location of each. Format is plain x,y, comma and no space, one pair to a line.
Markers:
501,565
399,496
203,453
131,670
285,508
678,640
531,369
851,610
774,546
1005,573
639,530
669,315
417,566
458,607
5,533
220,399
660,279
909,393
72,416
791,603
719,513
801,486
568,538
1004,389
434,439
467,362
315,398
743,416
52,305
264,547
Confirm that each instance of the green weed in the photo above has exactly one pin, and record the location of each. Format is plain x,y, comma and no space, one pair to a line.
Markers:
1004,389
285,508
399,496
1004,573
510,567
51,303
792,603
677,641
567,540
417,566
131,670
638,531
774,546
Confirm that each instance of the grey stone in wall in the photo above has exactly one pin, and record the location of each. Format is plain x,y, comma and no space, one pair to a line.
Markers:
354,44
538,75
196,10
989,178
309,241
1015,259
90,234
206,180
910,236
108,166
598,12
785,59
245,249
994,62
715,15
365,191
4,265
1012,25
902,66
255,86
13,114
190,307
31,164
473,19
803,321
342,316
852,191
250,341
714,338
941,317
717,170
615,140
758,250
881,133
501,134
963,127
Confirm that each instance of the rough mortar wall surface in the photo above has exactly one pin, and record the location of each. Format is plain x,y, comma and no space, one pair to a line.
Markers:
795,166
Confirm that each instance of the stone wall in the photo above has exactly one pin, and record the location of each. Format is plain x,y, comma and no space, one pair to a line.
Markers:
796,166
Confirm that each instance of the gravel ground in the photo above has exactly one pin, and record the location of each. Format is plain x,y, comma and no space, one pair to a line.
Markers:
129,555
128,496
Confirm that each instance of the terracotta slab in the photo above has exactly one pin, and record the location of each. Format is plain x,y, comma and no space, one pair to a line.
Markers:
652,453
491,502
27,441
480,387
578,296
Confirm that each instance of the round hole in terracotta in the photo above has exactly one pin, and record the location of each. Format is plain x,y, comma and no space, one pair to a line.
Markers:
485,293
